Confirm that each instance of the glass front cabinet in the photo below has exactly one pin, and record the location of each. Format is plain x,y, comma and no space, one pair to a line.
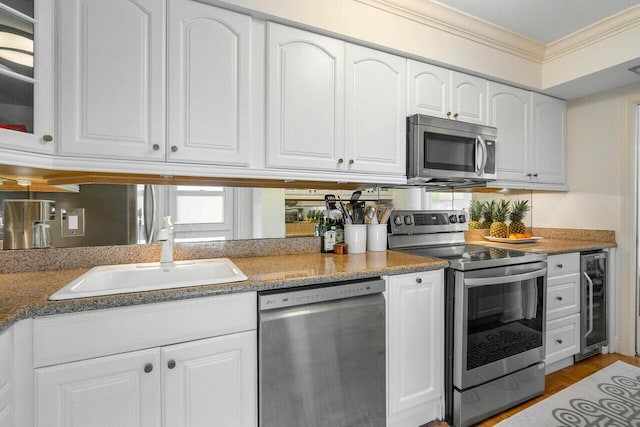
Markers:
26,75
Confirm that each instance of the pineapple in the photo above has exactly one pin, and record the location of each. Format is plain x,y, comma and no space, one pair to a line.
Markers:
518,209
499,227
475,210
487,213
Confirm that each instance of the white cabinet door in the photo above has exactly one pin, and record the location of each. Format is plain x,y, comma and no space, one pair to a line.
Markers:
211,382
415,343
305,106
26,99
6,380
102,392
549,139
509,111
375,111
428,89
468,98
209,84
112,79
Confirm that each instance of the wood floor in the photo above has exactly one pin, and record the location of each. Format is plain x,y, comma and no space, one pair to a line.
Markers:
559,380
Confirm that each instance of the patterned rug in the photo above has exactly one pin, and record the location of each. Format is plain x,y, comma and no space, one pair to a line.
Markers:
610,397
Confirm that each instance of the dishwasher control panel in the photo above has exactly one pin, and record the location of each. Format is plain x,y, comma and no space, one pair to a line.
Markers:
270,301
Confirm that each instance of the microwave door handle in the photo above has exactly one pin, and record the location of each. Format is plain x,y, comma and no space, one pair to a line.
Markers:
590,282
484,281
477,165
485,154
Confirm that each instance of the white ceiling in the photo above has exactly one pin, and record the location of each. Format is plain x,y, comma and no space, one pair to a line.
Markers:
542,20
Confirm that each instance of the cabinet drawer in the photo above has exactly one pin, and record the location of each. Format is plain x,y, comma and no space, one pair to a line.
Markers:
76,336
563,338
559,265
563,296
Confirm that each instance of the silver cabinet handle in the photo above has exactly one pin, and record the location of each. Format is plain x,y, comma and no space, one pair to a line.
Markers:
455,115
174,148
47,138
148,368
559,298
590,282
156,147
559,341
340,161
448,113
171,364
529,175
535,175
418,279
559,266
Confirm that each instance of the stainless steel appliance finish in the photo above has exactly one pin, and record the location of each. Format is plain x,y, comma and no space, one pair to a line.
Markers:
593,303
447,153
494,314
321,356
25,223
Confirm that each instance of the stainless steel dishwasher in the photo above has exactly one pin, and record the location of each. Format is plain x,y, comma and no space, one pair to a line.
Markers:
322,356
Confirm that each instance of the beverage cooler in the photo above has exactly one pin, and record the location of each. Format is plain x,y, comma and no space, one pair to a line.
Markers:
593,303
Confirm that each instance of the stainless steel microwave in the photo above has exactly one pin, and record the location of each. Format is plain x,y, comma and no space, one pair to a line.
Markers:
449,153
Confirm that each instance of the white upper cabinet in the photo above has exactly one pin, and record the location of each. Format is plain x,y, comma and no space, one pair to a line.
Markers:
26,98
508,111
429,90
305,91
333,106
531,147
375,124
112,79
549,139
468,98
439,92
209,66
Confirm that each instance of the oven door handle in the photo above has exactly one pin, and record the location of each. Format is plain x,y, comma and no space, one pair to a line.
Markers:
484,281
590,282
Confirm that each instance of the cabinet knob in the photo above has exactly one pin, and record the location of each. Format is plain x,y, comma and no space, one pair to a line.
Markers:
448,113
148,368
559,298
559,341
156,147
535,175
418,279
47,138
340,161
455,116
529,175
351,161
174,148
171,364
559,266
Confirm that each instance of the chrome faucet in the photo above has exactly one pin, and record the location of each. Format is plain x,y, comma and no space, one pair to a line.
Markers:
165,236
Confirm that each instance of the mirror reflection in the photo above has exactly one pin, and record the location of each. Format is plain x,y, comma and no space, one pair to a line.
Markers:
114,214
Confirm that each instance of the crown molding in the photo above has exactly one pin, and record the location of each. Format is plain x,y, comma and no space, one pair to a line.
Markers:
444,18
594,33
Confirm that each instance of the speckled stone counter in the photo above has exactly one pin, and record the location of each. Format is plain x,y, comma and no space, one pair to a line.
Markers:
554,240
25,295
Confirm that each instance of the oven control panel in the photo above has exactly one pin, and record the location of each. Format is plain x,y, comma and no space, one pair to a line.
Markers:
424,222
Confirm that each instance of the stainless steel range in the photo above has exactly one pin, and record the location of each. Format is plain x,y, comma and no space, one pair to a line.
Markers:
495,314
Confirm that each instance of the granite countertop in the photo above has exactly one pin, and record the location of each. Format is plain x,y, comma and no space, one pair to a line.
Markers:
25,295
553,241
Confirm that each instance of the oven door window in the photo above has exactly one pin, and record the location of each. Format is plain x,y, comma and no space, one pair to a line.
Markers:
503,320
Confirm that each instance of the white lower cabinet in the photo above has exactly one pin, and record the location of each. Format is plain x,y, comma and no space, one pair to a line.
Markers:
205,381
563,310
415,348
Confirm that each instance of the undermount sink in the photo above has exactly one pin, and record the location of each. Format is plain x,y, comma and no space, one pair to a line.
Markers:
124,278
